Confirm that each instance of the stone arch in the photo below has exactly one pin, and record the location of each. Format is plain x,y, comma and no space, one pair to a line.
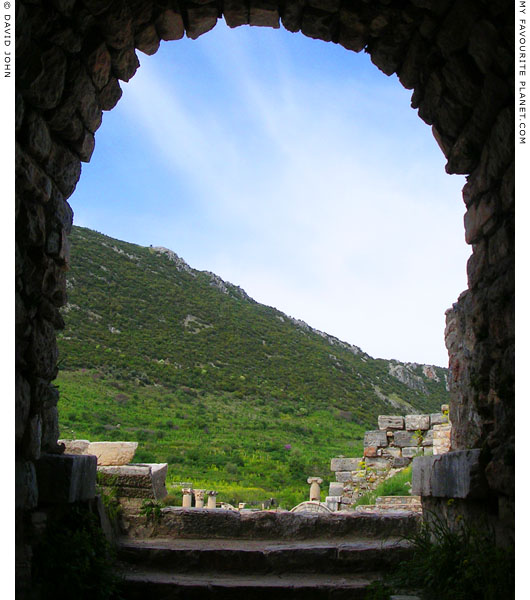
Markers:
457,56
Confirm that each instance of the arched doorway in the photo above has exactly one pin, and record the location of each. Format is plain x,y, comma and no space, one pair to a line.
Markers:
457,56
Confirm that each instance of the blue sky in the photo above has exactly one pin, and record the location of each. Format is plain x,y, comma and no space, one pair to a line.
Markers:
294,169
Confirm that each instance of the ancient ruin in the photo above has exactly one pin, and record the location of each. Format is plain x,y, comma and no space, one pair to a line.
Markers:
386,451
456,56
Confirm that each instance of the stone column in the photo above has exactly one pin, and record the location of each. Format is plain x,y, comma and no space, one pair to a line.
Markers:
199,498
314,490
186,497
212,495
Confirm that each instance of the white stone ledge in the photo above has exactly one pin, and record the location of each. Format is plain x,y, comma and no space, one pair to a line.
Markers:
138,480
108,453
453,475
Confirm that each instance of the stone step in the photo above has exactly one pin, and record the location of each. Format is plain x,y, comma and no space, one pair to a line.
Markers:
399,500
385,504
263,556
155,585
381,509
203,523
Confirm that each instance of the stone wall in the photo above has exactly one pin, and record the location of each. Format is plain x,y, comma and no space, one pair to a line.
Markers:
457,57
400,439
386,451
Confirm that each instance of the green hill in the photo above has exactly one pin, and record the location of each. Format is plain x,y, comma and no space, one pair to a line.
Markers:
234,395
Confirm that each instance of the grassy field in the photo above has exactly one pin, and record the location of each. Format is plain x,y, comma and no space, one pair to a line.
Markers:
247,449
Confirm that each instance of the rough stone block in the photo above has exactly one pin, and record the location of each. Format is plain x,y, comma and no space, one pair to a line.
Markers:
327,5
113,453
375,438
22,406
379,464
124,63
403,439
37,136
43,350
98,64
477,216
66,478
26,490
390,422
333,502
110,94
30,180
84,146
412,452
64,167
19,111
169,25
391,452
356,478
441,431
64,120
415,422
345,464
342,476
116,26
292,15
33,437
142,480
336,488
86,101
438,419
318,24
146,40
428,438
235,13
441,447
370,451
264,13
75,446
96,7
201,19
353,38
452,475
46,90
33,224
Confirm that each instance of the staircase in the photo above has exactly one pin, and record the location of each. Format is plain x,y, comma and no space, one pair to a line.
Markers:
189,554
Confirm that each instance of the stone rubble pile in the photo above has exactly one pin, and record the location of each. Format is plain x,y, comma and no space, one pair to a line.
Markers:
387,450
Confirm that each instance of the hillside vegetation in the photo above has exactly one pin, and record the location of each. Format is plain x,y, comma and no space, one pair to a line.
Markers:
234,395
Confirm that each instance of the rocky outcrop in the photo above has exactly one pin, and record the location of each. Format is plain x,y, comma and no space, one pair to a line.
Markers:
334,341
180,263
226,287
402,373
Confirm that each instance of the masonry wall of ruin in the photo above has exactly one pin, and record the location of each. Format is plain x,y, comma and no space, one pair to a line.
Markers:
456,56
387,450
